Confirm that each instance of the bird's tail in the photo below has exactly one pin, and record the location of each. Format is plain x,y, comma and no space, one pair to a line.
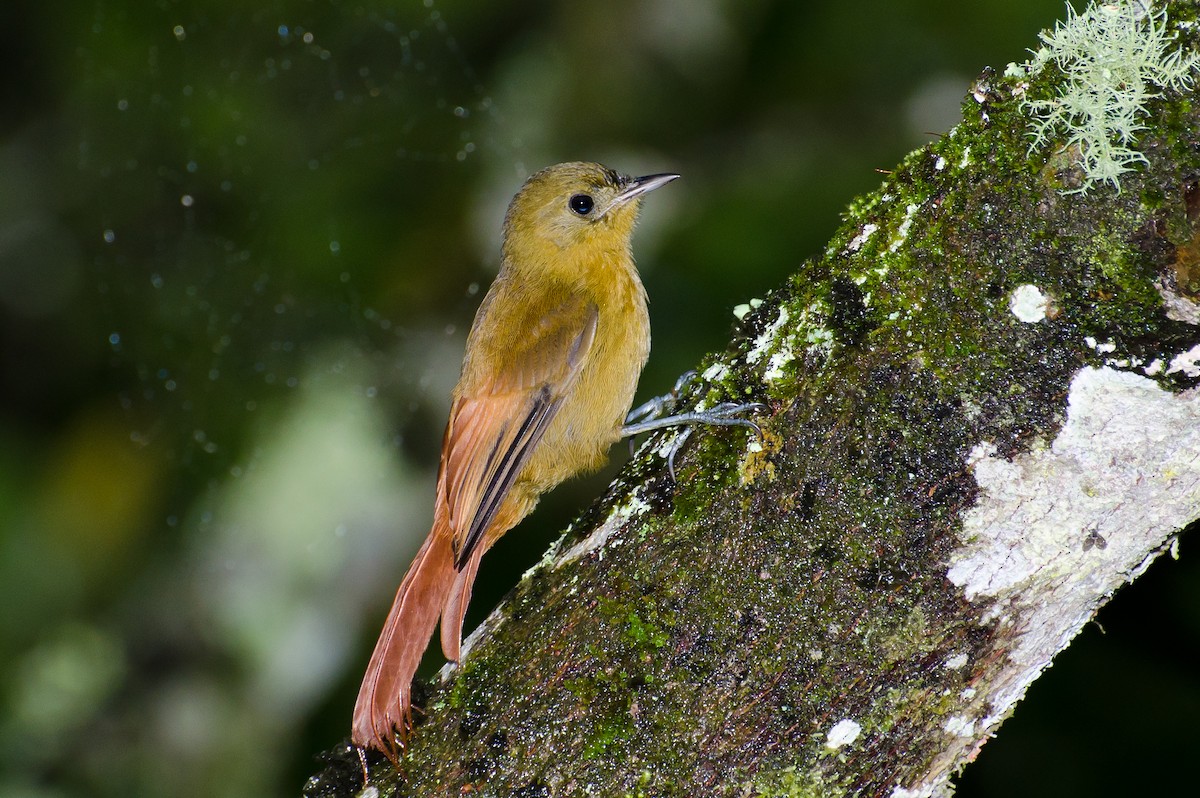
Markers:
515,507
384,708
456,606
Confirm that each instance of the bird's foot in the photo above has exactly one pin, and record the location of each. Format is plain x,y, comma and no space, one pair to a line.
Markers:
726,414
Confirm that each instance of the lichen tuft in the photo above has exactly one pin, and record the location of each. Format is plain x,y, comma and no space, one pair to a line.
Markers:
1114,58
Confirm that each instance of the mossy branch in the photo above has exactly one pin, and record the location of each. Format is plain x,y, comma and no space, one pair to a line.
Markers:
984,420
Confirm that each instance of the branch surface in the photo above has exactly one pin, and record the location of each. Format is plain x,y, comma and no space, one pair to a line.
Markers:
983,420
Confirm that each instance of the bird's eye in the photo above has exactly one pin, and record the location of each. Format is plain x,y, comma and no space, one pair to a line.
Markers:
582,204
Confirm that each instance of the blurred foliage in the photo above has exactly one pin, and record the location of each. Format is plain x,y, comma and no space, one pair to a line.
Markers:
240,246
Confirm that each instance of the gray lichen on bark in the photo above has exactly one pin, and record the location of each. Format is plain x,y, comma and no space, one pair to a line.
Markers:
983,420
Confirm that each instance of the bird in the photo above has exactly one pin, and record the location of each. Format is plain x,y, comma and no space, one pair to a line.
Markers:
551,365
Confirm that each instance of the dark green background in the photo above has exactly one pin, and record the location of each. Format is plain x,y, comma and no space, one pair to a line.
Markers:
240,245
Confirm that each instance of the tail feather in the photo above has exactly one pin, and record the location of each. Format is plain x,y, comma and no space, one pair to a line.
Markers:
384,708
456,606
516,506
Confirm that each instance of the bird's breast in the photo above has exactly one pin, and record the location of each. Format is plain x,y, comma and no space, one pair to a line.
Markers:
592,414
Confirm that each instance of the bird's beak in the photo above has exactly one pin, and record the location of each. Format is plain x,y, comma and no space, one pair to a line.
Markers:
637,186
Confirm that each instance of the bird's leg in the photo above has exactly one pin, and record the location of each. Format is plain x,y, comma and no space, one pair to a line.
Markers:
722,415
648,417
656,405
676,444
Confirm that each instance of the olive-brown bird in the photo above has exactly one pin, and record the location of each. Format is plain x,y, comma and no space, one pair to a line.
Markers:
551,365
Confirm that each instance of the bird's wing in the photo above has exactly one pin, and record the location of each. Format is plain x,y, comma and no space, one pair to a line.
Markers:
493,430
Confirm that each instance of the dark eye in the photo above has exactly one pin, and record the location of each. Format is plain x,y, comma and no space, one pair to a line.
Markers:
582,204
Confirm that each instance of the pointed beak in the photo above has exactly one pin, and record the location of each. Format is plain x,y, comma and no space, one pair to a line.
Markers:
637,186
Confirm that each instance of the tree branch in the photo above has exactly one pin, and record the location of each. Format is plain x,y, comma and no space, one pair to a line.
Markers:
984,420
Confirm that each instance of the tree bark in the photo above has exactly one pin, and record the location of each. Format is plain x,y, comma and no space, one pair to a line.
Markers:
983,421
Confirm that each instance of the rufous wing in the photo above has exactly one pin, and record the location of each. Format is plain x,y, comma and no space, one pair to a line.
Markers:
492,434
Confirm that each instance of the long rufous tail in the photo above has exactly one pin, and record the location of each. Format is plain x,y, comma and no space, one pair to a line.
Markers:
384,708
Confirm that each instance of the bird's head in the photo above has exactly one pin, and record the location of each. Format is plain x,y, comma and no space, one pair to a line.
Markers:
573,209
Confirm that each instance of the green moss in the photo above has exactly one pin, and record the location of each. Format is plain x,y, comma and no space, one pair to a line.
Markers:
906,639
643,633
1122,293
708,465
790,782
461,696
606,736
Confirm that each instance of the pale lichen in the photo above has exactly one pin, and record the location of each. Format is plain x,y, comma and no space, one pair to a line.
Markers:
863,236
919,791
618,518
843,733
764,342
741,311
902,231
778,361
959,726
715,373
1114,58
1120,477
1028,303
1186,362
